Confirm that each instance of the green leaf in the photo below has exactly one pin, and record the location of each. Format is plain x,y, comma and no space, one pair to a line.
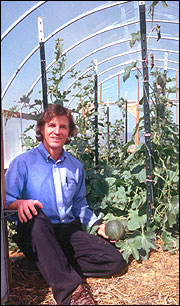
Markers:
158,30
175,203
126,175
147,244
130,246
165,4
128,70
171,217
171,89
141,177
127,252
135,37
126,76
104,204
136,221
92,230
110,181
139,199
169,242
127,145
100,188
135,252
109,217
120,195
32,116
136,168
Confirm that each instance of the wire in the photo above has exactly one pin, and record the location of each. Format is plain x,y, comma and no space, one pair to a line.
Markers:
8,213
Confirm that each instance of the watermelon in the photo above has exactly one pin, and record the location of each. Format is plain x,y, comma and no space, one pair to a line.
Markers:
114,229
124,223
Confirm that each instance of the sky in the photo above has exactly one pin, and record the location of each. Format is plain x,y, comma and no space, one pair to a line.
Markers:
20,42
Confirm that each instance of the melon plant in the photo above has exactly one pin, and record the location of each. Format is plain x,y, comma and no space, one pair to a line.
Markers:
114,229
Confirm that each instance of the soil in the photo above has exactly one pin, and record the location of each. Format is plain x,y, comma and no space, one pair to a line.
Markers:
151,282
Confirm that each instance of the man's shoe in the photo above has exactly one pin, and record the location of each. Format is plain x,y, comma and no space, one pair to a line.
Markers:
82,295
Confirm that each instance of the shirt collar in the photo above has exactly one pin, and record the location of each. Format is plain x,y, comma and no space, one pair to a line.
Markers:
41,148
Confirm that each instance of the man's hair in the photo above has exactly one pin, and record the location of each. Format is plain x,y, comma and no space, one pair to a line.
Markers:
54,111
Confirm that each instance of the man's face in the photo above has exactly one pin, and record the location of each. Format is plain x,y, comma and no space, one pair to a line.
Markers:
55,133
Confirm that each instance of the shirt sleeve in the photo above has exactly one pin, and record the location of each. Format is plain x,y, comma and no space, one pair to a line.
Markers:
81,209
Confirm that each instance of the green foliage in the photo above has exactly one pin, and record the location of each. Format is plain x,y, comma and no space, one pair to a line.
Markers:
128,70
151,13
135,37
117,188
57,74
11,228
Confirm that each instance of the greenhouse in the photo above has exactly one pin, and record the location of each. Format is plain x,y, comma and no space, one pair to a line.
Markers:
115,66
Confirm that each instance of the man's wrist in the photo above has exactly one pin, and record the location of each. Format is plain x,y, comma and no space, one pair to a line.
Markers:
98,222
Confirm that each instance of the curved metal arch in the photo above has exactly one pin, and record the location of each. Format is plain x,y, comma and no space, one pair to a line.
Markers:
21,18
101,62
104,71
170,61
150,49
122,71
61,28
55,32
112,76
107,59
129,62
165,37
87,55
81,59
108,28
148,20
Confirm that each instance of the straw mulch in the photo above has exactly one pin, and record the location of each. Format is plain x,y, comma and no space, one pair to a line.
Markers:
151,282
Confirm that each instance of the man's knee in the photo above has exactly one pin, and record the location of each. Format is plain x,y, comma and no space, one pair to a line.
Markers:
118,262
41,223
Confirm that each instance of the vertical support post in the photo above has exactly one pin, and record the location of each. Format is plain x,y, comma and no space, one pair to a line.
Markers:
176,85
119,109
43,62
83,112
108,145
96,111
21,129
176,98
100,98
147,134
137,112
126,125
3,206
165,70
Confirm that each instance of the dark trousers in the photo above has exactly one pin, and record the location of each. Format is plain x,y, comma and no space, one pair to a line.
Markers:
65,254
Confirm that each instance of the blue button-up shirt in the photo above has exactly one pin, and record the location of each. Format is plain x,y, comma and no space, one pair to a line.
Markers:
59,186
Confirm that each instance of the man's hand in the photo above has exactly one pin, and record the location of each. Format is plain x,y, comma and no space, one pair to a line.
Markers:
101,231
25,208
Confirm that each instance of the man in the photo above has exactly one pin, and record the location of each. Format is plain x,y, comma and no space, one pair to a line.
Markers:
47,187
